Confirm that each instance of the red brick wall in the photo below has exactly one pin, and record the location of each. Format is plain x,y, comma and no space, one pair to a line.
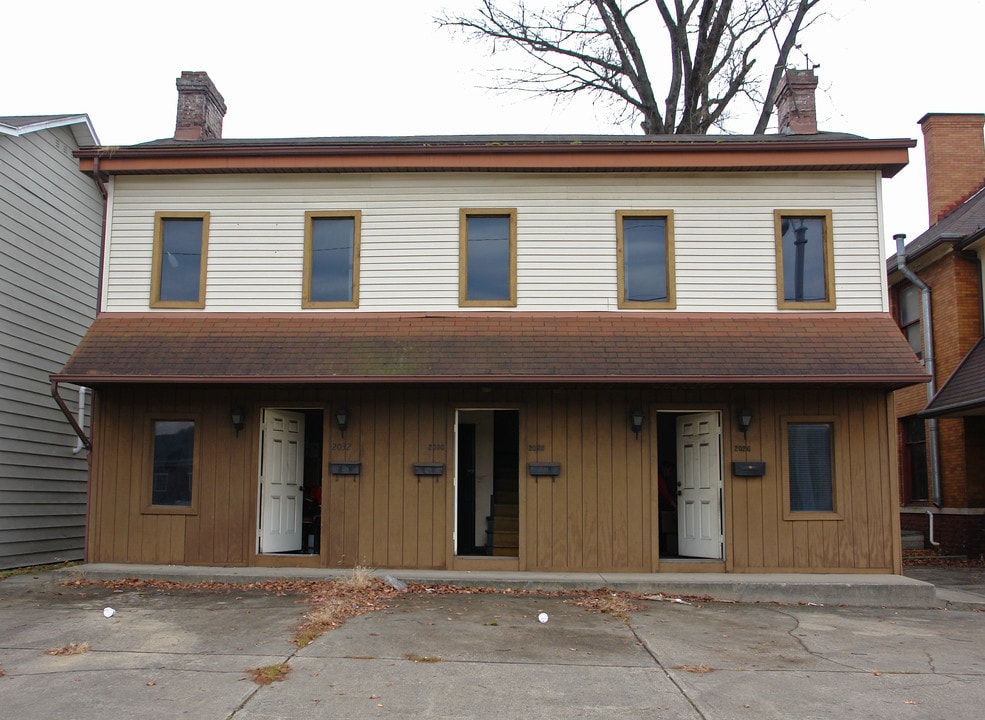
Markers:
957,534
955,154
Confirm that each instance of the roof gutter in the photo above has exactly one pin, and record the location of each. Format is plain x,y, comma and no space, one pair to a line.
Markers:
892,381
928,358
577,156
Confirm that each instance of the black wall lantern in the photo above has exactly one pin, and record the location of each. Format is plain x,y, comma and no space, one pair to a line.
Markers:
636,422
238,418
745,420
342,418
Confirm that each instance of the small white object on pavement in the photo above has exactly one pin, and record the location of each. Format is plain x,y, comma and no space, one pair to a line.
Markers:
542,617
109,612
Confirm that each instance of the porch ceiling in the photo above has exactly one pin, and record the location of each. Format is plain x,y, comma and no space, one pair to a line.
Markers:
515,347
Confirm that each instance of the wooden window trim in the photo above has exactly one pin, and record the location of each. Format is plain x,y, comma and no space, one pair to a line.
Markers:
147,475
463,268
309,217
671,302
829,272
836,493
158,258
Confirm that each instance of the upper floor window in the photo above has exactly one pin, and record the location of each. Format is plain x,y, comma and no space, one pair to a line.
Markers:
805,261
908,309
331,259
810,468
487,258
645,256
181,243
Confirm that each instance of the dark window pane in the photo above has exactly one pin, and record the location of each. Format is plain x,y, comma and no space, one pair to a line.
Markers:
332,247
174,445
915,459
809,451
645,258
488,255
803,259
181,259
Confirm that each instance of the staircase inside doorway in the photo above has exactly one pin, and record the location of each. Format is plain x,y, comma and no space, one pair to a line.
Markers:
503,524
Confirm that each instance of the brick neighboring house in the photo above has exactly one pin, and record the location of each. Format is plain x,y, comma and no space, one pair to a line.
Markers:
942,426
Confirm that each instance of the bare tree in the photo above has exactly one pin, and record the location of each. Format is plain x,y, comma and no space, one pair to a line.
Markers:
592,46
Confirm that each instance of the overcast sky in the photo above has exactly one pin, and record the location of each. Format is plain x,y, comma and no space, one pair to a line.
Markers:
333,67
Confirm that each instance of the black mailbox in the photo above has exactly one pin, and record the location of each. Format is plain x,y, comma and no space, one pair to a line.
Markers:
429,469
749,469
545,469
344,468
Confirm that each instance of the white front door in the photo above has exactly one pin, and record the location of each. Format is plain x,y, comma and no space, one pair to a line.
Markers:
281,481
699,485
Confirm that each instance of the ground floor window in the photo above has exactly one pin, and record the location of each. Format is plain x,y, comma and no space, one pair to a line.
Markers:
810,469
914,465
173,463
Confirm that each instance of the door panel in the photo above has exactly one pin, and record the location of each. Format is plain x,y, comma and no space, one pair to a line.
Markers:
281,481
699,481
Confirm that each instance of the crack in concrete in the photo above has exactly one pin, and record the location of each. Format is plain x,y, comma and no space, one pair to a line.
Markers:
800,641
649,651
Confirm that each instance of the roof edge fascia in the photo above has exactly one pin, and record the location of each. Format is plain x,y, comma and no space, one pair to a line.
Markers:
887,156
892,381
81,125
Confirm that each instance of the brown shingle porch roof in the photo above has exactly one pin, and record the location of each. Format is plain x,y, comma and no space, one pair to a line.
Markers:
494,347
964,392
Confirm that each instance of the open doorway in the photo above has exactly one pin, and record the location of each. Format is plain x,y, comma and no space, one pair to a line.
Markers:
689,464
487,483
289,508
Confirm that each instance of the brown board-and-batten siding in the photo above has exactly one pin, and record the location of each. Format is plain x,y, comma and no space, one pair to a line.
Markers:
865,537
599,514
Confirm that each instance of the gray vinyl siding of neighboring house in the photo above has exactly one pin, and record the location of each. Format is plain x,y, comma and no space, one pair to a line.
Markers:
50,224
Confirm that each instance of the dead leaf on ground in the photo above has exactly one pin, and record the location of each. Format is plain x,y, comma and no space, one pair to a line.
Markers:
269,674
422,658
695,668
74,648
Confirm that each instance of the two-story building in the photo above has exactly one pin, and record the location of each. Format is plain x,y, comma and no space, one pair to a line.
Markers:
523,352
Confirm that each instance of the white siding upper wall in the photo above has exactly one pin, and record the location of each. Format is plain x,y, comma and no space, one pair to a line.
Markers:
723,230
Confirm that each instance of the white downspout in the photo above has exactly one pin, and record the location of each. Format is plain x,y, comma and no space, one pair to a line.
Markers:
930,534
928,359
81,419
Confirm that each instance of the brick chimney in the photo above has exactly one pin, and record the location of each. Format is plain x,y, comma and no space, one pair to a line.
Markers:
955,152
795,110
200,108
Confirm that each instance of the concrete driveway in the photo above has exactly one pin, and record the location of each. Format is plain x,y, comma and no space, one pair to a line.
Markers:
185,654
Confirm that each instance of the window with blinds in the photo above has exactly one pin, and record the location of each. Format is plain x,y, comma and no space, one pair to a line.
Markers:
809,456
